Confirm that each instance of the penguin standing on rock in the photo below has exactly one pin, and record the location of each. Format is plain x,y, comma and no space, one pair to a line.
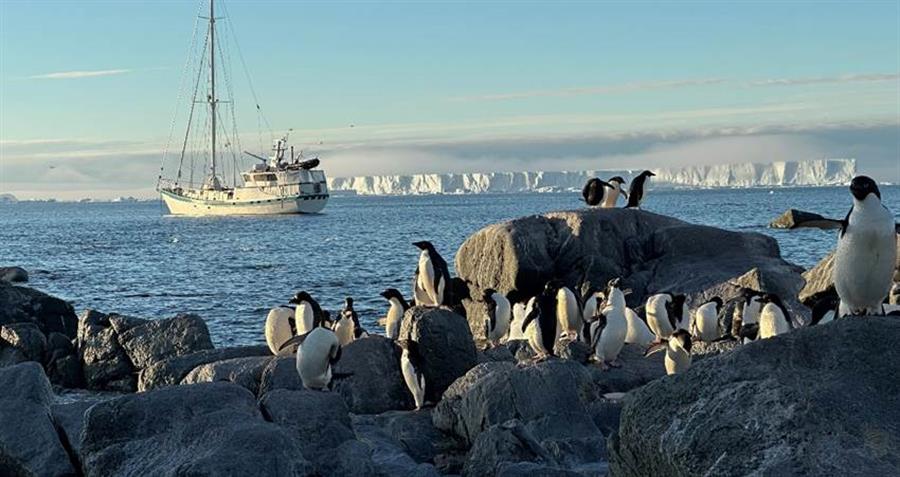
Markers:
411,365
540,326
346,325
496,325
774,318
317,351
594,192
665,314
608,331
278,327
395,312
432,280
308,314
678,353
866,251
706,320
569,312
520,311
638,189
613,190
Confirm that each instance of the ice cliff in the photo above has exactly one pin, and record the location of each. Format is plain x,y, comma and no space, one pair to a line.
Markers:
819,172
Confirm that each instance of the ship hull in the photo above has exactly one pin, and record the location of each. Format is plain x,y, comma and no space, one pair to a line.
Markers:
302,204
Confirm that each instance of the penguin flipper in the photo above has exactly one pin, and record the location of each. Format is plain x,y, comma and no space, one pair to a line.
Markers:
846,221
535,311
335,354
656,348
295,340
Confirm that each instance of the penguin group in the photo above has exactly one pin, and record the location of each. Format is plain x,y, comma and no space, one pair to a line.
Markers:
605,194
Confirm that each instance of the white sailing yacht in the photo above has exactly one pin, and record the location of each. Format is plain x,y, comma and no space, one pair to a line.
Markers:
283,183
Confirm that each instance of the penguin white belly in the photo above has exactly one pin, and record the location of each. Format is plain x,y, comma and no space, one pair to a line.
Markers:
567,313
415,384
685,323
612,338
519,312
677,359
278,328
502,314
890,308
344,330
314,358
426,281
303,318
827,317
394,317
590,308
865,259
610,196
772,322
706,322
658,316
751,312
535,338
638,332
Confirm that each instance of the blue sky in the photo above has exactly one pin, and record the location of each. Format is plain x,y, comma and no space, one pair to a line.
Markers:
89,87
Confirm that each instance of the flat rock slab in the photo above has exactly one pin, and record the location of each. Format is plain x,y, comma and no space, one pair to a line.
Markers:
793,218
280,373
29,443
246,372
206,429
157,340
171,371
823,400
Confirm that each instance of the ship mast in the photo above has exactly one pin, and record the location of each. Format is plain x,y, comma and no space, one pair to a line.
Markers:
212,95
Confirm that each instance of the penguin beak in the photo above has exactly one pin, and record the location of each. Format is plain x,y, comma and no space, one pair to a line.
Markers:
651,174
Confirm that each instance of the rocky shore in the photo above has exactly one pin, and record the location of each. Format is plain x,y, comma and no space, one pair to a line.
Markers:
99,394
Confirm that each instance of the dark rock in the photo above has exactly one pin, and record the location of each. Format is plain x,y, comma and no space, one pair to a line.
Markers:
66,371
205,429
280,373
577,351
388,455
60,344
29,443
606,414
13,275
106,365
445,343
158,340
636,370
10,356
349,458
590,246
318,421
701,350
413,431
122,323
782,406
530,469
498,353
69,419
246,372
26,305
375,384
521,350
171,371
27,338
794,218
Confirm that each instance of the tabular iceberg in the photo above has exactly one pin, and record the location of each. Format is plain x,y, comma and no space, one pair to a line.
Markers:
818,172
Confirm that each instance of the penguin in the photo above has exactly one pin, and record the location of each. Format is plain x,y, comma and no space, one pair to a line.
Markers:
519,312
594,192
308,314
774,318
590,303
612,192
540,326
278,327
866,251
395,312
317,351
678,353
459,291
638,332
496,325
706,320
745,316
608,331
665,314
824,310
569,312
638,189
411,365
432,278
345,326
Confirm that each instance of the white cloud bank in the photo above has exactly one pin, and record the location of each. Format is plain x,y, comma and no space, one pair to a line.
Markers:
80,74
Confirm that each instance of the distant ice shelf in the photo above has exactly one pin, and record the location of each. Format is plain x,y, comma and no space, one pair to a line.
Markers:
817,172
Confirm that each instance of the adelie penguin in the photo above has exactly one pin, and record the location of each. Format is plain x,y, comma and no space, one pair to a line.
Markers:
278,327
347,326
824,310
665,314
411,366
499,311
594,192
866,251
609,328
774,318
540,326
308,314
317,351
431,286
638,189
613,190
706,320
398,307
568,312
678,353
520,310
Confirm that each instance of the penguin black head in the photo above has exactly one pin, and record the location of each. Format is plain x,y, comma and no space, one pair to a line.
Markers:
683,338
862,186
391,293
300,297
618,179
718,301
823,306
553,286
488,294
424,245
648,174
348,303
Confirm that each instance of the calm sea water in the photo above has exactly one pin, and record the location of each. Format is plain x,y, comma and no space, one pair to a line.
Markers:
132,259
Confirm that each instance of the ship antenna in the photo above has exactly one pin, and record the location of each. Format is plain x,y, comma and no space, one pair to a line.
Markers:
212,84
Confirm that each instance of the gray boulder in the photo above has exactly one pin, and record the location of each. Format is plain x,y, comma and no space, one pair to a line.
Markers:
793,219
29,443
782,406
26,305
412,431
388,455
68,415
205,429
10,356
171,371
27,338
157,340
375,384
13,275
636,371
280,373
445,342
246,372
590,246
106,365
